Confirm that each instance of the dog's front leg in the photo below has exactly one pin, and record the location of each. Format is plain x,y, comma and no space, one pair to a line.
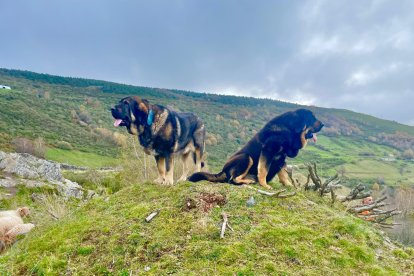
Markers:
284,177
263,169
271,148
161,169
169,165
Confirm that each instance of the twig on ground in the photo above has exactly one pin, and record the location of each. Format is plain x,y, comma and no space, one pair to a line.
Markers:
152,215
277,194
224,225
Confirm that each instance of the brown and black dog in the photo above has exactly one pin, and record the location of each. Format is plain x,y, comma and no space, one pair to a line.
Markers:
265,154
163,133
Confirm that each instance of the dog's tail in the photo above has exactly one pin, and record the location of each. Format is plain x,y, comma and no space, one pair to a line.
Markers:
219,177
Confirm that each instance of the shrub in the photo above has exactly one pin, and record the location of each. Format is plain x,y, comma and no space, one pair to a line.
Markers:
64,145
39,147
23,145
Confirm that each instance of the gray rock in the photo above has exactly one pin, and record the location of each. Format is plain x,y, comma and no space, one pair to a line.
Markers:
251,202
36,172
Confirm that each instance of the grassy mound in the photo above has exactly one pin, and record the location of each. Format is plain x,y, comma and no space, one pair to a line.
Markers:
297,235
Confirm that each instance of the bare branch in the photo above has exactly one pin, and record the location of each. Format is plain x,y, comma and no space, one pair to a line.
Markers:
224,225
277,194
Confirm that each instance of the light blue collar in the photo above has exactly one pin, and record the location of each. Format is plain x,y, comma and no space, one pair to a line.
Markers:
150,118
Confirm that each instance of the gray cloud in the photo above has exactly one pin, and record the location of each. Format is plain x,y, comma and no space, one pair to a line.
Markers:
357,56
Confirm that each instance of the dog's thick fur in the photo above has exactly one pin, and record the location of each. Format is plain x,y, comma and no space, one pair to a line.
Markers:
19,212
265,154
10,237
163,133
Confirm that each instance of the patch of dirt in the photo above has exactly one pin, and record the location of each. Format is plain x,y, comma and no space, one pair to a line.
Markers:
205,202
189,204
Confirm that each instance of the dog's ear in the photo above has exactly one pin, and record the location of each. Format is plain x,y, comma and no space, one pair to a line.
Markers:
144,106
139,105
300,120
296,122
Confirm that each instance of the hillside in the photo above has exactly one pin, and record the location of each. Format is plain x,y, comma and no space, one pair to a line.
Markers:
72,113
106,234
298,235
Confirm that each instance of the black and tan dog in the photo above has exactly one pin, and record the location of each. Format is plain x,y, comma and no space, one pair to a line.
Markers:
265,154
163,133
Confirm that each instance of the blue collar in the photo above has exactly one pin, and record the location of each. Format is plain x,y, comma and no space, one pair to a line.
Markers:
150,118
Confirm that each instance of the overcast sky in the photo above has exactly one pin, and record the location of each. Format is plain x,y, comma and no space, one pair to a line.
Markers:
351,54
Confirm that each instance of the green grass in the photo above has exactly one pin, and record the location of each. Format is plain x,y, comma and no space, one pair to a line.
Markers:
79,158
276,236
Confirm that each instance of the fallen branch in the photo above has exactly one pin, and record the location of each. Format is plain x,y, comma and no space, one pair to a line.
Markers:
224,225
327,182
53,215
152,215
294,182
385,217
389,224
356,193
366,208
363,208
313,174
333,196
277,194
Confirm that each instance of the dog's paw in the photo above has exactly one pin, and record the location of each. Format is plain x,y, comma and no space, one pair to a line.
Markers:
159,180
182,178
168,182
266,186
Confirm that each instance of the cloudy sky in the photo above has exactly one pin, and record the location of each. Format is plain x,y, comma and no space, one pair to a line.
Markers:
357,55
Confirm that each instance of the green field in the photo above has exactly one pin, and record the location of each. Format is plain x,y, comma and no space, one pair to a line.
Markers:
78,158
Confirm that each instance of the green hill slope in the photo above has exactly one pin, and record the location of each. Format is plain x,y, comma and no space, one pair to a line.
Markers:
274,237
107,235
72,110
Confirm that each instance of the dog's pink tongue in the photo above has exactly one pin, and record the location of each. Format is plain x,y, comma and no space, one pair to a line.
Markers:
117,122
314,138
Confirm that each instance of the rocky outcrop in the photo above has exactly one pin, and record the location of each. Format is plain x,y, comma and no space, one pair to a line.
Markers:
35,172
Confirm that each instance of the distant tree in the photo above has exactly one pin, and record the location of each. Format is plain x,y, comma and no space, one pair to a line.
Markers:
64,145
341,171
46,95
408,154
23,145
381,180
39,147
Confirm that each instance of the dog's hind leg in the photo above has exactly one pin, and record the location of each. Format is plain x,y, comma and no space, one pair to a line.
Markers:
161,169
241,179
185,158
237,167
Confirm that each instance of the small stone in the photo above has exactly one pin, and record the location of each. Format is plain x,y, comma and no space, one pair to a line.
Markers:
251,202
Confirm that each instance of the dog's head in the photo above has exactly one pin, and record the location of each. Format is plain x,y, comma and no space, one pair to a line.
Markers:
132,113
304,122
23,211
